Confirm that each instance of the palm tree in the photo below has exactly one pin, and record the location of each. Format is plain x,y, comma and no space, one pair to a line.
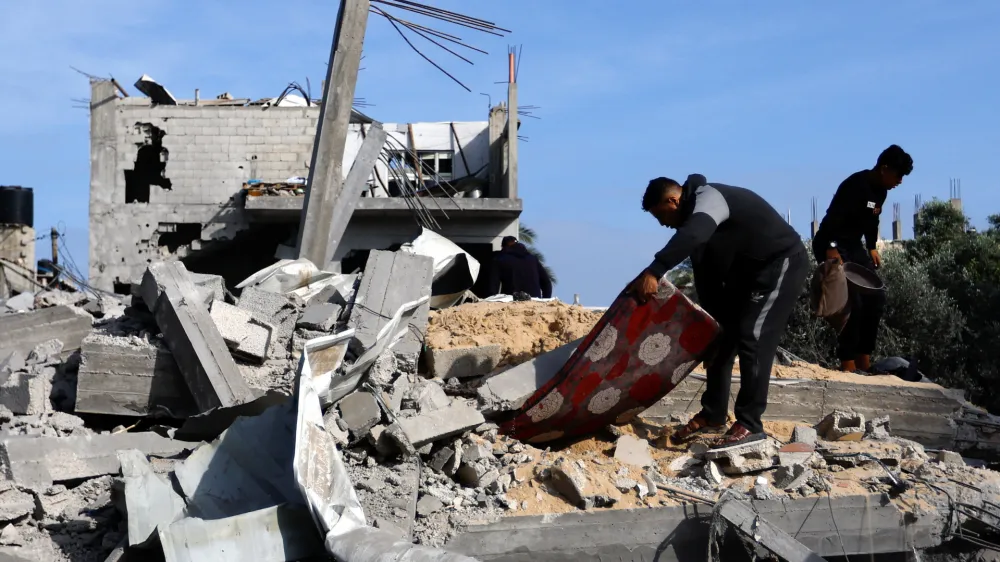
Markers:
527,236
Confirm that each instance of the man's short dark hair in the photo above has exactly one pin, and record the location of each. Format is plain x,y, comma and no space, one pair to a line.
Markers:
896,159
507,241
655,191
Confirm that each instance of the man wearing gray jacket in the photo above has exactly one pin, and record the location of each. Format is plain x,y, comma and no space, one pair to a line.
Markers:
749,268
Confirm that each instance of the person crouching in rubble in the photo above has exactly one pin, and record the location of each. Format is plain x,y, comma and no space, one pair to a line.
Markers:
853,213
749,269
516,270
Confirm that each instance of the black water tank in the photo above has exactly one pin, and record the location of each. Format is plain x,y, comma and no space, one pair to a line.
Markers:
17,205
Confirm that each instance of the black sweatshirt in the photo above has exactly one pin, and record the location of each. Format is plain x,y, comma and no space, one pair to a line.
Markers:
729,232
516,269
854,212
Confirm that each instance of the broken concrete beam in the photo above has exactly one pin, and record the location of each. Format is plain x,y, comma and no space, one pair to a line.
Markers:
464,362
247,337
26,393
171,278
633,451
745,457
37,462
745,519
509,389
210,288
321,316
360,411
128,377
842,425
22,332
432,426
201,354
390,280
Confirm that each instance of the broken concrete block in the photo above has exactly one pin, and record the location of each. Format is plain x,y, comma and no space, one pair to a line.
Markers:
171,278
878,429
441,458
11,536
571,483
804,434
432,426
509,389
130,377
745,457
22,302
13,362
795,453
211,288
713,473
360,411
428,505
202,356
842,425
26,393
231,321
950,458
683,462
394,441
247,337
633,451
477,475
45,352
151,502
15,504
464,362
272,309
792,477
37,462
22,332
477,451
430,397
321,316
625,484
390,280
391,528
761,489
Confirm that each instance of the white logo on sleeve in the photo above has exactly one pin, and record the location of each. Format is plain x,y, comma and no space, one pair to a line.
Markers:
871,204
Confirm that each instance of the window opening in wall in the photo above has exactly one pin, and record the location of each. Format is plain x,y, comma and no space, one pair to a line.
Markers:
150,165
435,167
121,288
175,235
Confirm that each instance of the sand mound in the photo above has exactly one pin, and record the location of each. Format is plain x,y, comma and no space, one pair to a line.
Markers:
523,329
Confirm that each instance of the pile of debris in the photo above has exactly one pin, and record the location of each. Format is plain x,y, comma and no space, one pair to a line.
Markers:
323,414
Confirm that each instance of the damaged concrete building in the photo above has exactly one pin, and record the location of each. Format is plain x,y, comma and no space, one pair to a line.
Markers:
217,184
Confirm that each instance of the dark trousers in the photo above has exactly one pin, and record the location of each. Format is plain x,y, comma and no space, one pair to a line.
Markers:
753,317
861,332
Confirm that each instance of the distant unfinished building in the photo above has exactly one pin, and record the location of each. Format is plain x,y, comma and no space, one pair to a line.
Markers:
191,181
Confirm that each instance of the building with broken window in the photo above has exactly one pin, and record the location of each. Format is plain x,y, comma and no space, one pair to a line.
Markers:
219,184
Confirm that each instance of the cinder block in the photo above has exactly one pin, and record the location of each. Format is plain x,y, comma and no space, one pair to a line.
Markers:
464,362
432,426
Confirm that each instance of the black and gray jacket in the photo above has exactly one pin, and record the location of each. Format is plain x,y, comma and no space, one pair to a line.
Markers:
728,232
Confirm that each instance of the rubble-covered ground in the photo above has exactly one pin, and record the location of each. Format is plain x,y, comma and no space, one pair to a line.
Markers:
422,454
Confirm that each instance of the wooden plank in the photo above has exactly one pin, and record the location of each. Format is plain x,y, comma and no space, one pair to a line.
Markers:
743,517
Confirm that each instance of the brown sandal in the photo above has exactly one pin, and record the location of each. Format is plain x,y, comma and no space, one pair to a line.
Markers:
697,424
737,435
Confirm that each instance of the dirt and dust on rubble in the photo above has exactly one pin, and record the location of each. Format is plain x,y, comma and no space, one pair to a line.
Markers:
155,424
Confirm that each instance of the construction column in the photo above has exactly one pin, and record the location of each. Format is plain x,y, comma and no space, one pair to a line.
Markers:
512,122
326,175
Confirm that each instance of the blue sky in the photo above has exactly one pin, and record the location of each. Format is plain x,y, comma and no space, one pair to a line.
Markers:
784,97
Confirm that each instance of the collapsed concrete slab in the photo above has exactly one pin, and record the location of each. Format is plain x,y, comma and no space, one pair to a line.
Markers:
438,424
923,412
509,389
745,519
151,501
37,462
464,362
390,280
130,377
670,534
198,348
22,332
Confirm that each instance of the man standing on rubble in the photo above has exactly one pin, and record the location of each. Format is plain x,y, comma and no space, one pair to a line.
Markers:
517,270
853,213
749,269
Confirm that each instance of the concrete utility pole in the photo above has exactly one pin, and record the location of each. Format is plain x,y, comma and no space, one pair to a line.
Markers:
326,174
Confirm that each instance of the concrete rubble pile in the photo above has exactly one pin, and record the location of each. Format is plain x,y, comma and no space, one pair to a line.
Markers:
305,418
